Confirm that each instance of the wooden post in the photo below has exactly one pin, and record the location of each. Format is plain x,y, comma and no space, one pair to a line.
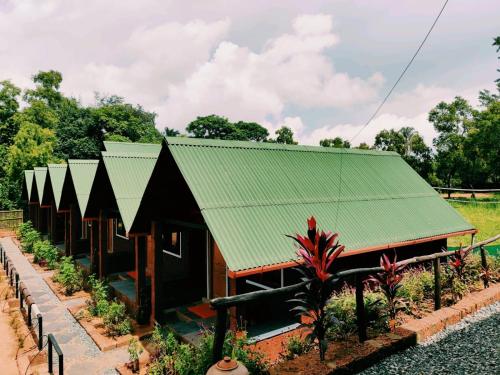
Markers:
220,333
484,264
437,284
360,309
140,265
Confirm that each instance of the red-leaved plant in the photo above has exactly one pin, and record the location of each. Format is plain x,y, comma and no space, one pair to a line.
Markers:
318,250
389,282
458,261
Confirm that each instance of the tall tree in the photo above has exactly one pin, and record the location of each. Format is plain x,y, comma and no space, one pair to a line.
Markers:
363,146
285,135
217,127
9,106
336,142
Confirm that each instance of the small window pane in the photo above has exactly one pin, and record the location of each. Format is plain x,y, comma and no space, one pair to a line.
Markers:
171,243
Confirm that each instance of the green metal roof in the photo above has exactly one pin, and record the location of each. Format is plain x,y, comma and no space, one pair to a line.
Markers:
40,176
129,147
129,175
57,173
252,194
83,174
28,179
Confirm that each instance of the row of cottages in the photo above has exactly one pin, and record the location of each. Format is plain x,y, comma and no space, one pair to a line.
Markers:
174,225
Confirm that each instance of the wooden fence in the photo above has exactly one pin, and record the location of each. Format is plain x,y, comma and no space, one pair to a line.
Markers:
223,303
11,219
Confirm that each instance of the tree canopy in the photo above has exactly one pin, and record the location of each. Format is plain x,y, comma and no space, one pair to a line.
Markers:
218,127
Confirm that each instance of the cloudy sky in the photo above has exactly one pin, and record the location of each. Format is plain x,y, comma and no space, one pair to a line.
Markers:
319,67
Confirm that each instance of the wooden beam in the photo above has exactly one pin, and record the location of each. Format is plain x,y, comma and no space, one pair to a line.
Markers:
437,283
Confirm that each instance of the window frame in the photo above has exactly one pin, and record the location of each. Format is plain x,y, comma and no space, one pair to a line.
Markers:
165,251
115,231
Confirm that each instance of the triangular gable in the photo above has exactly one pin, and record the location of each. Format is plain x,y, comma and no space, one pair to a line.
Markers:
28,182
83,174
129,175
57,174
40,177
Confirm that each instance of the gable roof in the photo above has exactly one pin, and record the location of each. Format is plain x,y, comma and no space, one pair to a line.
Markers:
83,174
130,147
57,174
129,174
252,194
28,182
40,176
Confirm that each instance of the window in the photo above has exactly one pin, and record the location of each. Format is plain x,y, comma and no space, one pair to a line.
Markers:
120,229
171,243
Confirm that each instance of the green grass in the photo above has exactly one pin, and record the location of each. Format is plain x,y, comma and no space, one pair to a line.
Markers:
485,217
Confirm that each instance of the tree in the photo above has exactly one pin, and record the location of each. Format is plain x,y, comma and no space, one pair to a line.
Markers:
47,88
168,132
336,142
217,127
363,146
410,145
285,135
9,105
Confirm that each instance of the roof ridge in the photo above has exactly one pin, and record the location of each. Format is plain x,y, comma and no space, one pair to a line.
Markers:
233,144
136,155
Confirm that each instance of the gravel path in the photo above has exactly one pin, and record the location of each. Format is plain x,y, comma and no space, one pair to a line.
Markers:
81,355
469,347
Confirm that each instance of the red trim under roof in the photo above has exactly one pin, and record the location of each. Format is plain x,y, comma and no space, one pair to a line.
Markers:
289,264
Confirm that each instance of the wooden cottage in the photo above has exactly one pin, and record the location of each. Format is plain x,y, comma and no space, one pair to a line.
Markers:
30,207
216,214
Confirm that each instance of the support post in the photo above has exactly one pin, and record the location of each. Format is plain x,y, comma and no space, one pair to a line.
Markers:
17,285
484,265
220,334
437,284
360,309
40,331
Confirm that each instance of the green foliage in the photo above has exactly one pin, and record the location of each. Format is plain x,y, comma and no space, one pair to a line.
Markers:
295,346
417,285
115,319
217,127
342,305
24,228
285,135
182,359
45,254
336,142
69,276
9,105
134,349
98,304
28,240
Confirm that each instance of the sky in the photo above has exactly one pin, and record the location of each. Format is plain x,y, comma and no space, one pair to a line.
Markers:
318,67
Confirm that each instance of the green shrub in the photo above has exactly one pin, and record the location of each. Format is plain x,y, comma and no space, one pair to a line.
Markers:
46,254
98,303
417,285
69,276
116,321
342,306
170,357
28,240
295,346
24,228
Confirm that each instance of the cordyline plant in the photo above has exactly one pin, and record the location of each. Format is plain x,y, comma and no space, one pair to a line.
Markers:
458,261
389,281
318,250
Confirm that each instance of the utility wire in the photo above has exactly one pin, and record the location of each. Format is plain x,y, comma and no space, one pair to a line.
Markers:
402,73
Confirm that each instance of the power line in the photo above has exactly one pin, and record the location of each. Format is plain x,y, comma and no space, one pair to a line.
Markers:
402,73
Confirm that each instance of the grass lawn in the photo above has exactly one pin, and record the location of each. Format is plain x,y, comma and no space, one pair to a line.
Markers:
485,217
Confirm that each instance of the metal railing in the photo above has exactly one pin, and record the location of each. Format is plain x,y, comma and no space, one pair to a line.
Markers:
222,304
54,345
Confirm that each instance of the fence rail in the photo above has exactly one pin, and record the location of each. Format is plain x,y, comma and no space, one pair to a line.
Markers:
223,303
11,219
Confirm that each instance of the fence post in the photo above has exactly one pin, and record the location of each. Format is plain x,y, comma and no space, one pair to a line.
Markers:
484,265
40,332
220,333
49,356
360,309
437,284
17,285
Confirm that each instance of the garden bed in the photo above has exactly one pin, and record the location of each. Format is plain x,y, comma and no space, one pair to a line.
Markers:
58,290
95,328
351,356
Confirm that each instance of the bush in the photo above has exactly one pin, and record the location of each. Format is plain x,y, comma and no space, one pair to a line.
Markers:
343,306
28,240
98,303
417,285
295,346
69,276
45,254
116,321
24,228
183,359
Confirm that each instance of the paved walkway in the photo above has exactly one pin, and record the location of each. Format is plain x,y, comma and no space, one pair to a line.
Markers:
81,355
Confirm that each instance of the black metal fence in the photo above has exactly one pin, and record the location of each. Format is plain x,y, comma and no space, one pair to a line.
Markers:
28,305
221,305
